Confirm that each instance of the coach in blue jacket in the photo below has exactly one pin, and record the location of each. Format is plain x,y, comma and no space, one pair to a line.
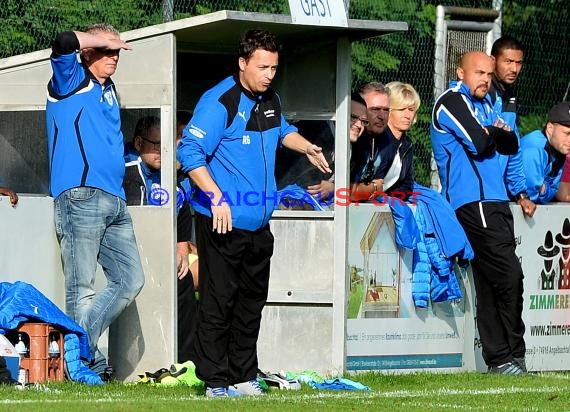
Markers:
469,149
229,148
85,146
544,153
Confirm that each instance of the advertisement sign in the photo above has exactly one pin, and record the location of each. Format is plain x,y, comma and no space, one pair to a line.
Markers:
384,329
319,12
543,247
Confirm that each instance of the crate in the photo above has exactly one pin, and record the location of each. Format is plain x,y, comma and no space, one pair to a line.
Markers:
39,366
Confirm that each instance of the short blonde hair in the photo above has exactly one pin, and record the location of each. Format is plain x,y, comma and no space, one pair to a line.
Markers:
403,95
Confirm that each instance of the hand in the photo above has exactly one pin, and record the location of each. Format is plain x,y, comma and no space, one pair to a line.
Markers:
118,44
193,248
528,206
221,218
182,251
500,123
9,192
321,191
317,158
379,186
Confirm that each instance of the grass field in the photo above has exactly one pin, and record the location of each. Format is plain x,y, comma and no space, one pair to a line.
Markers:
411,392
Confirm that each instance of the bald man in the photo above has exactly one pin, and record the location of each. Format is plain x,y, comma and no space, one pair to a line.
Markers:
471,147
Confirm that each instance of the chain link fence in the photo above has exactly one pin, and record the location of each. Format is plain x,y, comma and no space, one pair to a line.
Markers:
542,26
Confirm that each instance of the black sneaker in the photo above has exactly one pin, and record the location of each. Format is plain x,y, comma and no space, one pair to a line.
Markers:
509,368
522,363
108,375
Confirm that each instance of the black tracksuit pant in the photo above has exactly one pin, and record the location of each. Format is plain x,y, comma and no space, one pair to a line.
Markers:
187,318
498,278
234,281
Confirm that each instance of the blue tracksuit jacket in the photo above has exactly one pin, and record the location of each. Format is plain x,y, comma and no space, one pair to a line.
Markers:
504,102
542,166
235,135
469,166
83,120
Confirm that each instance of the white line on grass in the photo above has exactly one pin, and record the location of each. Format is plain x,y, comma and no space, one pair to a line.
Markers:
320,395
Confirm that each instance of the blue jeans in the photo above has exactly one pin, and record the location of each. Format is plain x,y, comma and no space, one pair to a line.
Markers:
93,226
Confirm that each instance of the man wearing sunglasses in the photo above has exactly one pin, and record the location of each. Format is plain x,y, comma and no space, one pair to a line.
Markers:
85,146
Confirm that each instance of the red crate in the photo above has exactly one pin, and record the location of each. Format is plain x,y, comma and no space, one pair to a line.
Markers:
39,366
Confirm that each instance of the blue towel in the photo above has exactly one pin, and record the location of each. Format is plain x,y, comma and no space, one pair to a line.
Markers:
339,384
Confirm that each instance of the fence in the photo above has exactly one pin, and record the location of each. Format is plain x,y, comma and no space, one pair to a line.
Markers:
542,26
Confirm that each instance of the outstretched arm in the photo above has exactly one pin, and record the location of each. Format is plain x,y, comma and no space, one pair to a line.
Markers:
298,143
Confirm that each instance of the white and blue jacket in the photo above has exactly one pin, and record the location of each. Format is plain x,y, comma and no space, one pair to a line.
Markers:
235,135
542,166
466,147
85,142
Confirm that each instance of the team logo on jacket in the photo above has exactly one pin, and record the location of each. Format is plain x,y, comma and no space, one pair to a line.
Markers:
245,139
196,131
269,113
109,96
242,115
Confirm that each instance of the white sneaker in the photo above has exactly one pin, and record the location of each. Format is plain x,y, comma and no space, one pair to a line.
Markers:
249,388
221,392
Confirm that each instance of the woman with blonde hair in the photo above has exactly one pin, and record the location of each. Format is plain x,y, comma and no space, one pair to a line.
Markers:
397,167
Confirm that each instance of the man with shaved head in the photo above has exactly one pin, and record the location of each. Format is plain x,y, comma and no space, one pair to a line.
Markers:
471,146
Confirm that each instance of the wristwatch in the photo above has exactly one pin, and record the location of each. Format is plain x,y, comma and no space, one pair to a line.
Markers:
521,196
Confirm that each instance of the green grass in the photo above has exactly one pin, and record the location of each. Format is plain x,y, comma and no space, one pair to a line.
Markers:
354,301
410,392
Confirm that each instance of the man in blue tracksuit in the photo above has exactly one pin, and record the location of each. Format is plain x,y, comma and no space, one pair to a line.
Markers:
544,153
85,146
469,147
228,149
507,52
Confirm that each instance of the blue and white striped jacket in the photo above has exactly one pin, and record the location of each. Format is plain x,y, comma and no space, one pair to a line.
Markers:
465,147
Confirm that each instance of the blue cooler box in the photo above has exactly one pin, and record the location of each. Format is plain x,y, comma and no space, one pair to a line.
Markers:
11,356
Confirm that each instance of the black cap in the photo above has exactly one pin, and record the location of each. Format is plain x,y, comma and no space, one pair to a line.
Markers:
560,114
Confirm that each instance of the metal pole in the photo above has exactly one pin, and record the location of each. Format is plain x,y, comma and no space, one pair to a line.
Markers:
498,6
167,10
440,52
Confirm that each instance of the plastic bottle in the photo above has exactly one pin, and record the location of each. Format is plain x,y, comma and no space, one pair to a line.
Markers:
22,376
53,349
21,347
23,352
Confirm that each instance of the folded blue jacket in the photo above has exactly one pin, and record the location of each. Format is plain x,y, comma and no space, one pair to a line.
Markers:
21,302
437,239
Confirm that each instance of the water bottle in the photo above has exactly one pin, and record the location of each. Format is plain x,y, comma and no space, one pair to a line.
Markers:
22,350
21,347
22,376
53,349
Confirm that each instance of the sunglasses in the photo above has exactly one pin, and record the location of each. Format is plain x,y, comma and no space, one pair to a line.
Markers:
354,118
155,145
108,52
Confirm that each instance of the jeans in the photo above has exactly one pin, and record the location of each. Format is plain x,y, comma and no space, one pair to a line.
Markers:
93,226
